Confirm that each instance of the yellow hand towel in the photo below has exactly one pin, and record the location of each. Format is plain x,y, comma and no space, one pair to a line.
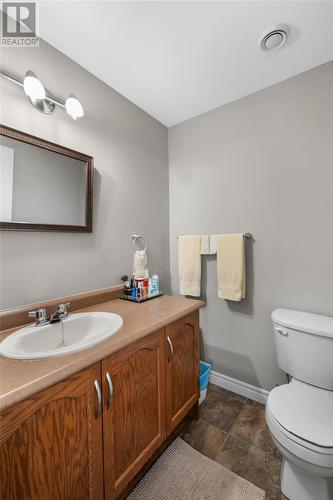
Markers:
189,260
231,273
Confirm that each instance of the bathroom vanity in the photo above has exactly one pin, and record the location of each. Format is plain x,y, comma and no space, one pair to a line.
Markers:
86,425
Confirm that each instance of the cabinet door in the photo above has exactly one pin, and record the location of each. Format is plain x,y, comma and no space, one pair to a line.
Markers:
134,409
51,444
182,371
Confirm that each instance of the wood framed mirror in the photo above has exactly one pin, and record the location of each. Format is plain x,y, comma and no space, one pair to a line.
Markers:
43,186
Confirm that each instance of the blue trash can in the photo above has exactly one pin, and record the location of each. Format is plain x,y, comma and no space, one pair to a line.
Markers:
204,376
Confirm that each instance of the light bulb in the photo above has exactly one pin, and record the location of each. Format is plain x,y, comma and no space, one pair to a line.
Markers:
73,107
33,88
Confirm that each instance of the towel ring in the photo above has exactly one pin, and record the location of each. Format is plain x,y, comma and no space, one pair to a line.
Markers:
136,238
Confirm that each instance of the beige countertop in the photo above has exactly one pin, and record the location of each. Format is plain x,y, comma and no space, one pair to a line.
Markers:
21,379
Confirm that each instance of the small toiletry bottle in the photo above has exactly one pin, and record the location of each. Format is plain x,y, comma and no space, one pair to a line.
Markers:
150,293
139,284
155,284
127,285
145,287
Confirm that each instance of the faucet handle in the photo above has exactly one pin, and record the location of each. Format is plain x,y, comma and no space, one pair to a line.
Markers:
62,309
40,315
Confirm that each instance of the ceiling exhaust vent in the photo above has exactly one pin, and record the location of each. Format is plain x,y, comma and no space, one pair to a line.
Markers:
274,38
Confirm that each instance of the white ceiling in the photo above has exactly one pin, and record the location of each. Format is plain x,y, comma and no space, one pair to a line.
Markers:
179,59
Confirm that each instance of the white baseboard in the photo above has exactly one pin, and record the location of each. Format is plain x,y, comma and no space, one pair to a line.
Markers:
242,388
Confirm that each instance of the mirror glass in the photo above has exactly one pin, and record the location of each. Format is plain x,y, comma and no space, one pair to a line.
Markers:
39,186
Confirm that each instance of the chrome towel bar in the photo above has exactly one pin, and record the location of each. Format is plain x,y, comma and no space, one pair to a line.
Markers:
248,236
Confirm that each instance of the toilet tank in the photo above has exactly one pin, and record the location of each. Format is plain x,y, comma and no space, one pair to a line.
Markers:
304,346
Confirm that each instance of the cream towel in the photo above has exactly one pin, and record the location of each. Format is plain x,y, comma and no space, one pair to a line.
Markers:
140,265
189,262
204,244
213,244
231,273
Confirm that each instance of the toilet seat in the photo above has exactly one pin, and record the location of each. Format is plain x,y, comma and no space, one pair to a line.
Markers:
304,411
303,450
286,406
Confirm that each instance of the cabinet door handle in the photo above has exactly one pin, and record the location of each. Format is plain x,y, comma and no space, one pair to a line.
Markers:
99,399
110,385
170,345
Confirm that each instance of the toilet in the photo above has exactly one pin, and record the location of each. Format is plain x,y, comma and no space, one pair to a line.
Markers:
299,415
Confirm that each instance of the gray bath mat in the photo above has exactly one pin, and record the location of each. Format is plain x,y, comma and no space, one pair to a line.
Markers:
182,473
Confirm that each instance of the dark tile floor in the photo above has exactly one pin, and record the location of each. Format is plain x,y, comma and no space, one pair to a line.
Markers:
232,430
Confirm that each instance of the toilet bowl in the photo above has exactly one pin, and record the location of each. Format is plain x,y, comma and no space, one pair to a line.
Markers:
299,415
300,420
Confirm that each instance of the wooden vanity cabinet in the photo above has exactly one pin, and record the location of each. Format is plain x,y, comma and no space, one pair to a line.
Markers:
182,368
67,443
51,443
134,409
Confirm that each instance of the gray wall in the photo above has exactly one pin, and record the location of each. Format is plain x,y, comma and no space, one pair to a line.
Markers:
261,164
131,184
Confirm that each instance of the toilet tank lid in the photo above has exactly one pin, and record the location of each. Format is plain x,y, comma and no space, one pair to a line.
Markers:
315,324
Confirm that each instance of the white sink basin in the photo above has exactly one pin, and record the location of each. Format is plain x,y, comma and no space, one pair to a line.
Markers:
73,334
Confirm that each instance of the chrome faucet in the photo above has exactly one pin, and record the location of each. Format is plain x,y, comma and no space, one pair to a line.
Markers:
41,315
60,313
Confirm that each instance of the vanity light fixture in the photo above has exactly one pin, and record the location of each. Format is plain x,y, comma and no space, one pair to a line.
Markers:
73,107
35,91
33,88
